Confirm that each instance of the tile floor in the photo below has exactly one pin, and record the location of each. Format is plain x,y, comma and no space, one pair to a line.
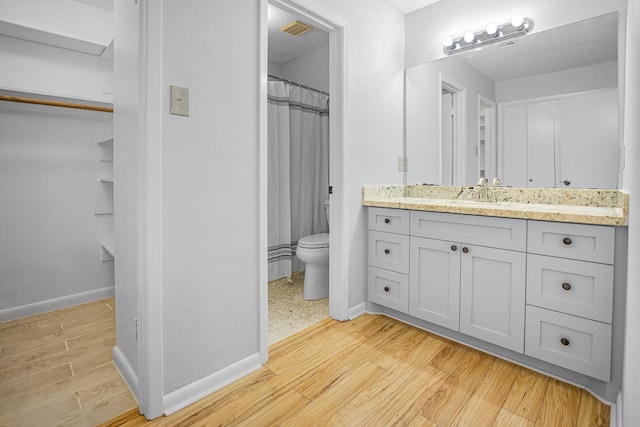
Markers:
288,311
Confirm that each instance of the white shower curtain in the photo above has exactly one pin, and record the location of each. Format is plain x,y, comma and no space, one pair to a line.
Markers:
298,171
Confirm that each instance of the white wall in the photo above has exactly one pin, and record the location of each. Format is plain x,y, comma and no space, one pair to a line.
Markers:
593,77
427,27
50,238
310,70
40,69
210,194
631,379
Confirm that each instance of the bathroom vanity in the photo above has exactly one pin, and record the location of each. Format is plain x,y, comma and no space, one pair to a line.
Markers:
541,284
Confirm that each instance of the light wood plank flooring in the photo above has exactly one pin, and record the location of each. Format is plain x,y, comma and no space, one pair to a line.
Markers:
375,371
55,368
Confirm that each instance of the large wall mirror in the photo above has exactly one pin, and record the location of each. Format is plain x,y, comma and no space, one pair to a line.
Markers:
536,111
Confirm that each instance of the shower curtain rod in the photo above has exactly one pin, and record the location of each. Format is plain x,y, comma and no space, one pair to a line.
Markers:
297,84
55,103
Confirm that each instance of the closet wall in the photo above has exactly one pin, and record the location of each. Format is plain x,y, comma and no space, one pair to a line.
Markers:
54,188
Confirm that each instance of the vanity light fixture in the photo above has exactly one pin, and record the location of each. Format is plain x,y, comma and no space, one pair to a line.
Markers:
518,26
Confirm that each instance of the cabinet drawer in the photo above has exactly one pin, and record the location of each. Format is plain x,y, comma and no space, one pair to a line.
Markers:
580,288
571,342
503,233
577,241
389,288
389,251
389,220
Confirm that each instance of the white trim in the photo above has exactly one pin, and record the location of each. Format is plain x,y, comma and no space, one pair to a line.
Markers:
151,101
357,311
21,311
616,411
459,155
126,371
195,391
336,26
263,235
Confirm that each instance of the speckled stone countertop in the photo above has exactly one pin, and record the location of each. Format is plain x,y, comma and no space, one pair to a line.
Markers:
585,206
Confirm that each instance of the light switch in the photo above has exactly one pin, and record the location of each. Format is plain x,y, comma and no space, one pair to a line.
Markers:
179,101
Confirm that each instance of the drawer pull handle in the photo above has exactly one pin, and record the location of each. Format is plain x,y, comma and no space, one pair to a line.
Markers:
564,341
387,251
454,248
465,250
566,286
387,220
567,241
386,289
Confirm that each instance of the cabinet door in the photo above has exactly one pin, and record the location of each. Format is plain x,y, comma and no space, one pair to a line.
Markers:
492,295
434,284
541,149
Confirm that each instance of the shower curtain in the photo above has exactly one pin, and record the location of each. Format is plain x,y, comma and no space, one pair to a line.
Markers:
298,171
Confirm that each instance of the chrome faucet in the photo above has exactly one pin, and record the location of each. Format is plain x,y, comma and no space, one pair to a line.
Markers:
483,193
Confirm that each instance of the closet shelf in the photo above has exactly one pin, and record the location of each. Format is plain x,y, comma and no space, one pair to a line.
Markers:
106,180
107,252
106,149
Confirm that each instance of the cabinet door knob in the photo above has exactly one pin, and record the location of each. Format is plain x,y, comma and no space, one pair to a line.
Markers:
566,182
564,341
386,289
454,248
387,220
465,250
566,286
387,251
567,241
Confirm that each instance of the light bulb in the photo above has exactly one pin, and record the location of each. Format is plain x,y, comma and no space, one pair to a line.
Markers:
448,42
517,21
469,37
492,29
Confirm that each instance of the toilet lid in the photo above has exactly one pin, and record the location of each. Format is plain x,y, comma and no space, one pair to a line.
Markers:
315,241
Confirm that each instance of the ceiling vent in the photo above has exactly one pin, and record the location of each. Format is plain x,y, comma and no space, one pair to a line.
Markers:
296,28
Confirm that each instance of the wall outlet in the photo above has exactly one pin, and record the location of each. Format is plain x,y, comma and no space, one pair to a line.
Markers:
402,164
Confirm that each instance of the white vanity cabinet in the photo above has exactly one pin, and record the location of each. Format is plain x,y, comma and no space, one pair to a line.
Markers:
388,275
540,289
467,273
570,296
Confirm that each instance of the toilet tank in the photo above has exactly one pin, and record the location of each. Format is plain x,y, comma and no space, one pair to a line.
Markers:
326,211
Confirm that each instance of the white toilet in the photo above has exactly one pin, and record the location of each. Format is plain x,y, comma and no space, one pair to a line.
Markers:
314,252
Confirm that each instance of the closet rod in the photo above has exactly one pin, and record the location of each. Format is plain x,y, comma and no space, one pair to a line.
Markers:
55,103
297,84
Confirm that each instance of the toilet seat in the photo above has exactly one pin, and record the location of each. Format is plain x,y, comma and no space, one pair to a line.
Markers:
314,241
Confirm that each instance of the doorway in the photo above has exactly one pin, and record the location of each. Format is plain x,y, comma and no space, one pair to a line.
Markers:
289,72
452,133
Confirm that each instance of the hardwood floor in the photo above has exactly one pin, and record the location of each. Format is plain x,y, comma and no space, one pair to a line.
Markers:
55,368
375,371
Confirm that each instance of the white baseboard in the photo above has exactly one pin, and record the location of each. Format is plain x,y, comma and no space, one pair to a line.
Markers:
126,371
195,391
21,311
356,311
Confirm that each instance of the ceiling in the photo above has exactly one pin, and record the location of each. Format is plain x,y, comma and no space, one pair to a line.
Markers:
284,47
589,42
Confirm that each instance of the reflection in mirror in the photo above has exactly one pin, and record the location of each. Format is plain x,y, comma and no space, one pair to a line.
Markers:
537,111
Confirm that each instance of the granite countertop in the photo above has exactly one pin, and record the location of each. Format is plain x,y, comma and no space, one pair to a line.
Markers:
586,206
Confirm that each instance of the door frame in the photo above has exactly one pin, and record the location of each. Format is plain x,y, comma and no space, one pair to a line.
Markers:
337,28
459,137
